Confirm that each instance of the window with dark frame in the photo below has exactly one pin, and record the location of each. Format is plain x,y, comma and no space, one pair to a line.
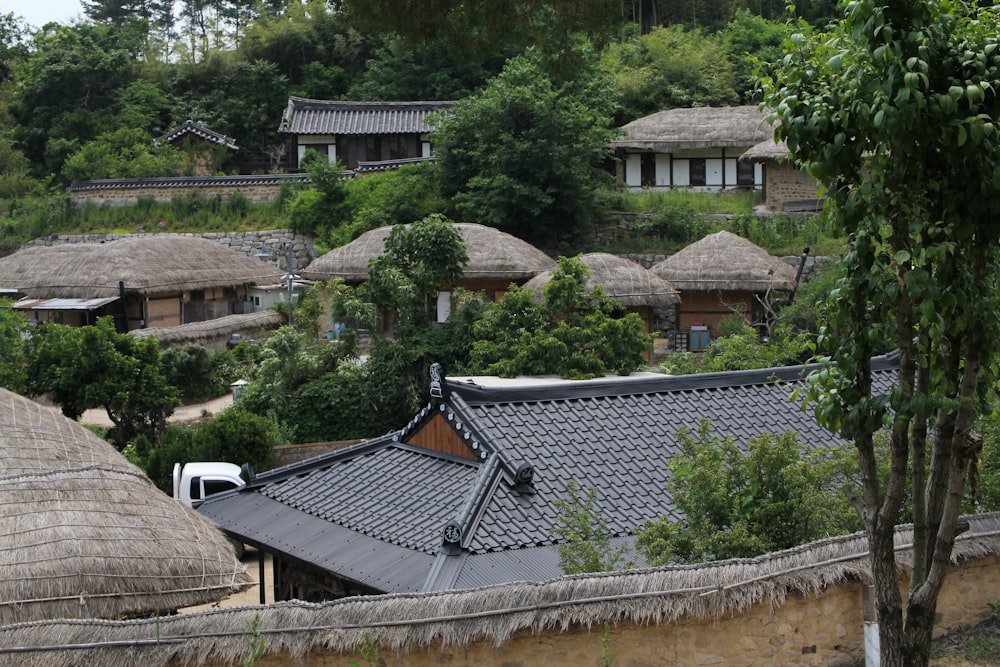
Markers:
696,171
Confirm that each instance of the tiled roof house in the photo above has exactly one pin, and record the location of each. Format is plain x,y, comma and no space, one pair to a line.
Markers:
363,136
464,495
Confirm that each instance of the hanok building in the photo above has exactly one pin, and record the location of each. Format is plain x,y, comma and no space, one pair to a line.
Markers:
363,136
723,275
161,280
466,495
635,287
692,148
496,260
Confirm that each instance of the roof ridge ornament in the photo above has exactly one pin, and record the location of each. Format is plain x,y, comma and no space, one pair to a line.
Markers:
439,390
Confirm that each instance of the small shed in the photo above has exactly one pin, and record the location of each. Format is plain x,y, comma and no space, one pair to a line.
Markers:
720,276
207,148
85,534
158,280
637,288
695,148
496,259
786,187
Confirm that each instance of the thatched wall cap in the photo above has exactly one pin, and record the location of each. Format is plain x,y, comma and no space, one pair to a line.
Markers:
456,618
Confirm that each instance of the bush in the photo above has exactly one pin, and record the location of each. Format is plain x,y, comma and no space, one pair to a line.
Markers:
198,373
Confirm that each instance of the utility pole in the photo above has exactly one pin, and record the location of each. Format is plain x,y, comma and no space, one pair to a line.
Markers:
290,277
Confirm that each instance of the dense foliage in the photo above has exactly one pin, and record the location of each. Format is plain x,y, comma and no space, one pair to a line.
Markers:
738,504
895,111
571,331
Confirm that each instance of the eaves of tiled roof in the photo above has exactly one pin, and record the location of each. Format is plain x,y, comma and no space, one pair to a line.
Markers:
307,117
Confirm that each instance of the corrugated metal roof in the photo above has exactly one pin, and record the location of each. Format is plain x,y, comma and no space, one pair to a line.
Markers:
65,303
376,512
305,116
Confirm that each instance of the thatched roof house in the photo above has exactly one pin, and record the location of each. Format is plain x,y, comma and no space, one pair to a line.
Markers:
692,148
466,494
723,275
496,259
735,609
85,534
155,280
633,285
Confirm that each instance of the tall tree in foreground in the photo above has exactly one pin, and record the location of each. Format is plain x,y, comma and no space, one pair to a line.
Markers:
896,112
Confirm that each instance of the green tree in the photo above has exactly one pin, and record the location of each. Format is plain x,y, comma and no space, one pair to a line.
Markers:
69,86
667,68
737,504
571,332
124,153
525,153
740,348
587,546
13,354
754,45
324,207
487,25
895,112
417,261
94,366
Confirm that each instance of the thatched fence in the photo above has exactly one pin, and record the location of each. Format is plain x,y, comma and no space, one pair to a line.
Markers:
802,606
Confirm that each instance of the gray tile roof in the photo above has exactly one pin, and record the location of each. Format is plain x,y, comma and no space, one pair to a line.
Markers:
379,512
189,182
305,116
198,130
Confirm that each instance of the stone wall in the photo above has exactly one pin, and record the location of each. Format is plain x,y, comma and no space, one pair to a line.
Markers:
824,629
269,242
129,191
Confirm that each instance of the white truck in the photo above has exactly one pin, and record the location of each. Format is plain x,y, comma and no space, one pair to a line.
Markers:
193,482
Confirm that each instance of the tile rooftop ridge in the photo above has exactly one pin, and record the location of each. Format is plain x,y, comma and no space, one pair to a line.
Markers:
479,394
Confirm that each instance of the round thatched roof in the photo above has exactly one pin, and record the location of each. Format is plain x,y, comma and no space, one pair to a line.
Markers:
765,151
85,534
702,127
725,261
155,264
622,279
493,254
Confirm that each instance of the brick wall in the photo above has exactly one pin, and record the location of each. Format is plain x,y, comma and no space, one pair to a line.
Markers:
785,183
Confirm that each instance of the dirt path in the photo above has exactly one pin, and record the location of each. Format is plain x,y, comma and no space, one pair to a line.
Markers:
183,414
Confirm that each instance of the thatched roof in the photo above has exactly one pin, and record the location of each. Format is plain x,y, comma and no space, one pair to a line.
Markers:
155,264
702,127
493,254
622,279
765,151
85,534
402,622
219,327
725,261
